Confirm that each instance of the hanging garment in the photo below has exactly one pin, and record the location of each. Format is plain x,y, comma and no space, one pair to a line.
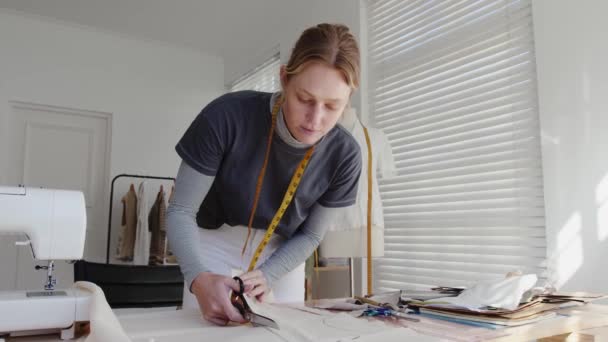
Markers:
347,235
126,238
141,252
170,258
158,232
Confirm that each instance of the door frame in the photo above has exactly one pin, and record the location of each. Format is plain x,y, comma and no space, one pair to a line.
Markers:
107,116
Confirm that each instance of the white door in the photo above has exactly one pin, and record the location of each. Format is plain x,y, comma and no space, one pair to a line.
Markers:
58,148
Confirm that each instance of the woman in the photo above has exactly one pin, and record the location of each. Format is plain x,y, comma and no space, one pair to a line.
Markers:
253,161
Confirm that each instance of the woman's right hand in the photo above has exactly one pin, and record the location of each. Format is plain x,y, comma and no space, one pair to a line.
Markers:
212,292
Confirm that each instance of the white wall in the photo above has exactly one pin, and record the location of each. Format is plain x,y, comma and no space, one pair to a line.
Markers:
152,90
291,18
572,55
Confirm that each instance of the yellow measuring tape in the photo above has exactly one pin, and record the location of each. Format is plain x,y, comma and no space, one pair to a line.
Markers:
291,190
369,212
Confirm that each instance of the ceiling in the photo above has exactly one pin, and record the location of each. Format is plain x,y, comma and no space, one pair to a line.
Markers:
219,27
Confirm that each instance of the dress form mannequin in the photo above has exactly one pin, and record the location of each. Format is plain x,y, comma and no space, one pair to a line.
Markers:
347,236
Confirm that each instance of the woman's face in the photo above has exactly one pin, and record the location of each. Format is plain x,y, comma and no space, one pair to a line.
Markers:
314,100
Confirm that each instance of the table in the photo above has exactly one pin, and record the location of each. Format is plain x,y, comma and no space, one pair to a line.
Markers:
589,322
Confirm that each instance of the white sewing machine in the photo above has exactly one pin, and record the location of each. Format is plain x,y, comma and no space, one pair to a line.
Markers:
54,222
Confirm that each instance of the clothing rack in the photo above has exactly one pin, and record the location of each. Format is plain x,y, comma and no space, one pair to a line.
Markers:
112,203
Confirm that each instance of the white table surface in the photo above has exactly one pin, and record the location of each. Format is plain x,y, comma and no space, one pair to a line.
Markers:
167,324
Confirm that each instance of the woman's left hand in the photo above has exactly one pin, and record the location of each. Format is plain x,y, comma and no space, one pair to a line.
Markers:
255,284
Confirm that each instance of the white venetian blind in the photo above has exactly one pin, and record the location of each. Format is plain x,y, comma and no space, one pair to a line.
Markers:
453,86
263,78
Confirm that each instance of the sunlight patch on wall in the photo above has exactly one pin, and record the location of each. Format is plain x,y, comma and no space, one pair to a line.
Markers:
569,255
546,138
601,198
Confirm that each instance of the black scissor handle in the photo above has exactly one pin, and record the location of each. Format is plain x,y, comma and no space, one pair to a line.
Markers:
238,299
241,284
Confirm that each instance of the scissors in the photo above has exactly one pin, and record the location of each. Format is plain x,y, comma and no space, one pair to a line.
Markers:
238,301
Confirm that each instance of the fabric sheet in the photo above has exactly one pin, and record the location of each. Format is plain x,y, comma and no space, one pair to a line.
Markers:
104,326
297,324
504,293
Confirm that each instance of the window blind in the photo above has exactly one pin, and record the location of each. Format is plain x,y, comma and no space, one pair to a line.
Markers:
263,78
453,86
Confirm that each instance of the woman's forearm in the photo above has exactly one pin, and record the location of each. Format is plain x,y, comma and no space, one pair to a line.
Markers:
191,187
302,244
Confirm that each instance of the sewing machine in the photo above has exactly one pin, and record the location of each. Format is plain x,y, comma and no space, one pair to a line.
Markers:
54,222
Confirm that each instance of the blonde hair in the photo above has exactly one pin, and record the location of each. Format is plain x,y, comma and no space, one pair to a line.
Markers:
332,44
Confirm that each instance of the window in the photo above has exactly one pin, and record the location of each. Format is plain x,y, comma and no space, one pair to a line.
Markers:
263,78
453,86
